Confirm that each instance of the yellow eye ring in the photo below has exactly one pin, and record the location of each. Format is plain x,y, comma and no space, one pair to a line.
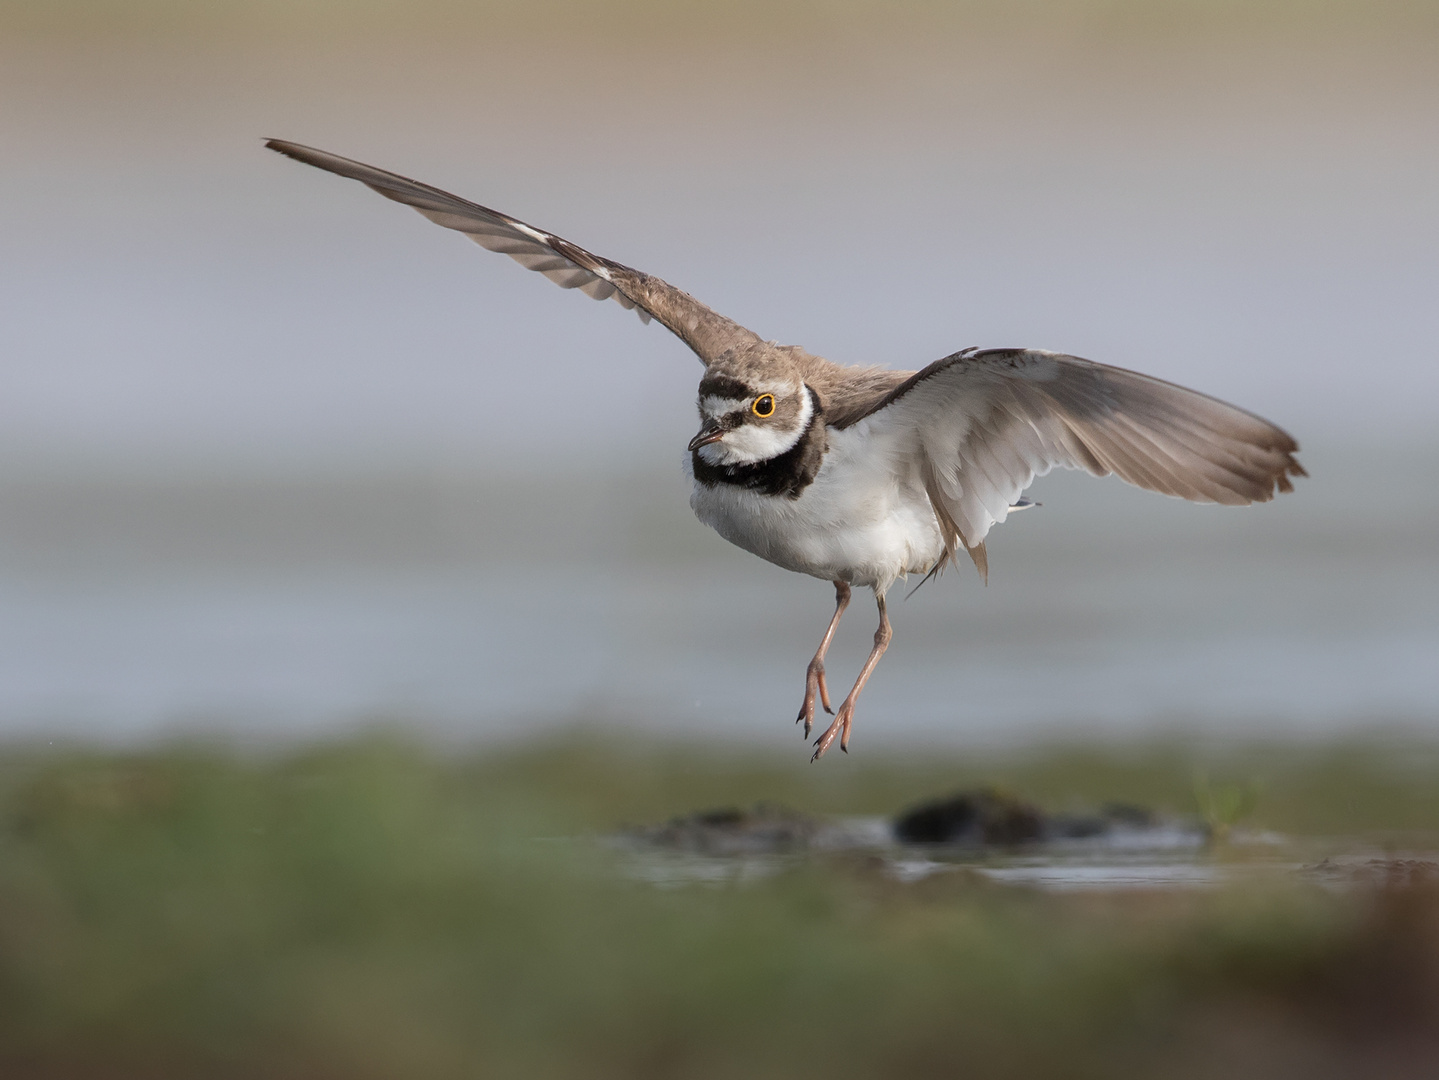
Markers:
763,405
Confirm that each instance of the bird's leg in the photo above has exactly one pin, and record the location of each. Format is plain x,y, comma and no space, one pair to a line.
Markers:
845,716
814,678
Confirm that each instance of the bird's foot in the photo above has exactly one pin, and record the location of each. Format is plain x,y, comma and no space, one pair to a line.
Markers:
814,688
839,728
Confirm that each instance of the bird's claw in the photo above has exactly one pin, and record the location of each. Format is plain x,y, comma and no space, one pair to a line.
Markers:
838,728
815,687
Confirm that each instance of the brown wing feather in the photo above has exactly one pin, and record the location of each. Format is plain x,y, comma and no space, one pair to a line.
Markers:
985,424
570,266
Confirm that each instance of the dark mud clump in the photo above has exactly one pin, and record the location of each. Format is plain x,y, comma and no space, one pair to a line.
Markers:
979,818
990,818
763,829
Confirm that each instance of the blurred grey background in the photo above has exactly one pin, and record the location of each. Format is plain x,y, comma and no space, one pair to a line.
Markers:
278,457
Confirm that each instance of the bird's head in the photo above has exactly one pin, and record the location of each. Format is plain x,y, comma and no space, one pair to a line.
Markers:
747,418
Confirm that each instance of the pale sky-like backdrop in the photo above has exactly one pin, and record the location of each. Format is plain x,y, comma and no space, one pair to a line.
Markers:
1239,198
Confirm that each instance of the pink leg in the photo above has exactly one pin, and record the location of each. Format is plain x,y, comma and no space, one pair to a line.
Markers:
814,678
845,717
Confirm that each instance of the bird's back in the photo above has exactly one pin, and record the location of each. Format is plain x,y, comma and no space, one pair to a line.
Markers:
845,393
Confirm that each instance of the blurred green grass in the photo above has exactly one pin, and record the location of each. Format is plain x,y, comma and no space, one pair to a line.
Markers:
374,909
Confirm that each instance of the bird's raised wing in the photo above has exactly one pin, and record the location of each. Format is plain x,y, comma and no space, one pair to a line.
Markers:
570,266
984,424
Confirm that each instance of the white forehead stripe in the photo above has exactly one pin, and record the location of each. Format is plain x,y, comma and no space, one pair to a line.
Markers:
719,406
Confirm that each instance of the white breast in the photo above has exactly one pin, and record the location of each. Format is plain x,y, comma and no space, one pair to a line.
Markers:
865,519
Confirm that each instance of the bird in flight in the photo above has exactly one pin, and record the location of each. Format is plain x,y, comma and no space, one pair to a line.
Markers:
862,475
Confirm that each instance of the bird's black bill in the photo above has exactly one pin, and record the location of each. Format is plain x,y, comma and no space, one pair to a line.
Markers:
705,437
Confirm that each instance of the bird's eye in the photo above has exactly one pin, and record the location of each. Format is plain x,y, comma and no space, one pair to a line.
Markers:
763,405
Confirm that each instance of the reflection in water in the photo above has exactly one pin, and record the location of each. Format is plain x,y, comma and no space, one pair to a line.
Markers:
1167,854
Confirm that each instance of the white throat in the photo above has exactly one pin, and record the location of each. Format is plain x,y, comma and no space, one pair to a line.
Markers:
751,443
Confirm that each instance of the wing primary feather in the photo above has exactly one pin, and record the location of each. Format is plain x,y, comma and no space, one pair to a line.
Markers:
986,423
705,331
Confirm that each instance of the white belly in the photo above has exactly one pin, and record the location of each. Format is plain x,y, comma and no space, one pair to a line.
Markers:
865,519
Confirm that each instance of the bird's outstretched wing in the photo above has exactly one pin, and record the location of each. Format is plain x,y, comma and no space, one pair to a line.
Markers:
570,266
984,424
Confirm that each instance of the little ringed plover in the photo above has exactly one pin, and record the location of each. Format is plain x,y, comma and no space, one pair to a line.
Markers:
861,475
